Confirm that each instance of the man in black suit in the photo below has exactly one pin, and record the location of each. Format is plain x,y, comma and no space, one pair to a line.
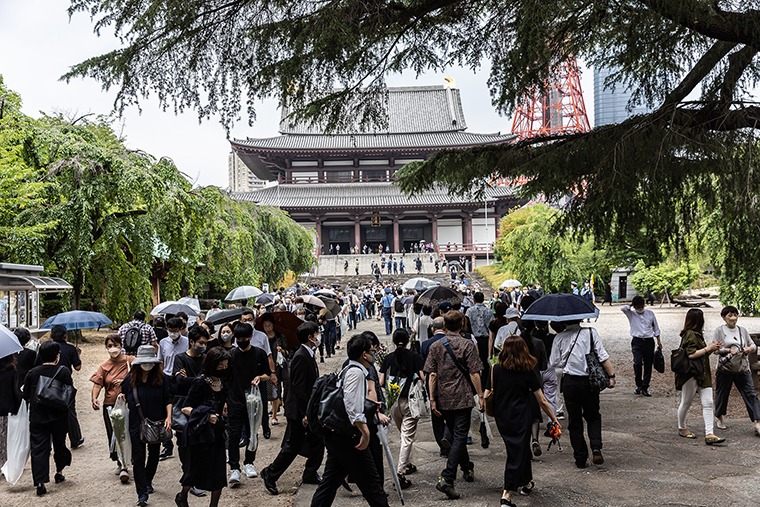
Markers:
303,373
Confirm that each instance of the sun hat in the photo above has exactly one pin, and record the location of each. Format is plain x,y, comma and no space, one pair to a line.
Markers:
145,354
511,313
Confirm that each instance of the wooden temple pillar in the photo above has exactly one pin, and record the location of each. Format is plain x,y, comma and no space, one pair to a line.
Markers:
318,229
357,232
434,222
396,235
467,228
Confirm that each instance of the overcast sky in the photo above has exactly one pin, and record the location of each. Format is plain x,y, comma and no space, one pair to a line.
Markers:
38,44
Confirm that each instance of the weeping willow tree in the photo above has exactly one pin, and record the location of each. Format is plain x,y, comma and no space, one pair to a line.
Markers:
649,180
110,219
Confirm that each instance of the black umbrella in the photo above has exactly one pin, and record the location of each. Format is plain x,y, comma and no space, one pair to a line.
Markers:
265,299
332,306
437,295
226,316
561,308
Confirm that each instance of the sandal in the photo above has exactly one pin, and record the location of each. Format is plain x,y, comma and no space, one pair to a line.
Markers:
527,489
686,434
713,439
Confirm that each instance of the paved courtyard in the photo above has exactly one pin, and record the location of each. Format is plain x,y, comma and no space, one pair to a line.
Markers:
647,463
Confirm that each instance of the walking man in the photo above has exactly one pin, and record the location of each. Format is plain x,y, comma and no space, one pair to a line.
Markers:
581,401
454,370
303,373
644,331
480,316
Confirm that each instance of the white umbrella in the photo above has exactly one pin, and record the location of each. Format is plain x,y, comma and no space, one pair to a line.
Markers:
191,302
326,292
419,284
174,307
507,284
243,292
9,344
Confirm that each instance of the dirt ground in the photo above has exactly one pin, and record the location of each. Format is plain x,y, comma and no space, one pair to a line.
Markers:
647,463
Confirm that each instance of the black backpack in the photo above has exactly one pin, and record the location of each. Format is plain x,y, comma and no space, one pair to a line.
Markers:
398,305
132,339
325,410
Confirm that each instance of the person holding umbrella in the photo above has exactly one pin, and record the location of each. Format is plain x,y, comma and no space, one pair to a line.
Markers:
581,401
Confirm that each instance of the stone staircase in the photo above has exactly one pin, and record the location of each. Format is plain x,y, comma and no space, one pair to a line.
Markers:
332,265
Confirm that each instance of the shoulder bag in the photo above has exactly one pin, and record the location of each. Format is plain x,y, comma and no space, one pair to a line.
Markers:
597,375
151,432
734,363
179,419
488,400
682,365
53,393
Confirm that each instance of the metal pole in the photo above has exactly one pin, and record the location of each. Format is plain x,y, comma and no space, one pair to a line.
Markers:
487,235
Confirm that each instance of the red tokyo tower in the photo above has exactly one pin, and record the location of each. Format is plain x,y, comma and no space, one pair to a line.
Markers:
559,109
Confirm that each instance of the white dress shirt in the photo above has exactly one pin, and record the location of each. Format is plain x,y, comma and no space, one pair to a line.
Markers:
644,324
576,359
355,391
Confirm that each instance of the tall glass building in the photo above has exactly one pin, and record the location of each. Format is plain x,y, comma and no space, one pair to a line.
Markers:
610,106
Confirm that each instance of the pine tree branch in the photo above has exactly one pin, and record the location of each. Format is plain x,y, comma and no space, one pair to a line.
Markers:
701,69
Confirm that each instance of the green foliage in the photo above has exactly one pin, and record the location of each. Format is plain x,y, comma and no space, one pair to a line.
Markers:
108,219
671,277
534,247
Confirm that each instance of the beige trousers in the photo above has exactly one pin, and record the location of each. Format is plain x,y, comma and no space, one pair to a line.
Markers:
407,426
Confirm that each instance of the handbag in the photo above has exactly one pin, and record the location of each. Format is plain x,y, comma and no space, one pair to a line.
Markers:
53,393
597,376
151,432
488,400
179,419
659,361
734,362
682,365
419,404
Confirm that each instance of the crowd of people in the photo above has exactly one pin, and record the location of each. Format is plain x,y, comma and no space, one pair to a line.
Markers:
209,390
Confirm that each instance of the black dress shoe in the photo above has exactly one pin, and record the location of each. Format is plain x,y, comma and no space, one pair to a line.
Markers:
267,434
311,479
645,392
637,391
59,478
180,501
269,484
41,490
150,489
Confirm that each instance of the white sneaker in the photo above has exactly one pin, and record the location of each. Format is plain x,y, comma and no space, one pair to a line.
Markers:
250,472
234,478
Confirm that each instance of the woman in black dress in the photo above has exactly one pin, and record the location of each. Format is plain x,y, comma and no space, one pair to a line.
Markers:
206,408
513,383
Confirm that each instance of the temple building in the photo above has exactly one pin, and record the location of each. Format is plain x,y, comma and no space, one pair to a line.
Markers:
342,186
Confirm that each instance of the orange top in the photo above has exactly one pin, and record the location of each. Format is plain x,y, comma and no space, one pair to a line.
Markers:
109,376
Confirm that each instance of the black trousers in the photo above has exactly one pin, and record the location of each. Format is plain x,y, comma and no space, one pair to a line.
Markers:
582,402
745,386
483,350
40,436
440,430
75,432
643,357
343,457
238,420
458,422
144,470
109,432
296,436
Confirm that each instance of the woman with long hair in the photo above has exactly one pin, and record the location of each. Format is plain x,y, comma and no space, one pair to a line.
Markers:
279,347
689,384
147,381
108,378
403,367
514,382
206,466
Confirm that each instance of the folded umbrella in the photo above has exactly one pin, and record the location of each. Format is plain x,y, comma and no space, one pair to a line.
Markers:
9,343
437,295
561,308
382,433
77,319
243,292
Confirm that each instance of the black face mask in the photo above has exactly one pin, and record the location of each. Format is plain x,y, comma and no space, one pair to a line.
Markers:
243,344
222,372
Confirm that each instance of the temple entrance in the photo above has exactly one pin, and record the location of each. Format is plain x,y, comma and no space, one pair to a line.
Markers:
412,235
339,240
373,237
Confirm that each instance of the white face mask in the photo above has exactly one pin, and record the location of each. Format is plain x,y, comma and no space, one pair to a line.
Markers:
146,366
226,337
114,352
174,336
317,340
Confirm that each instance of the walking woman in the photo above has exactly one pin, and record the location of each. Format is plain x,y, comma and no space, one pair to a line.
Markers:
694,344
147,381
403,367
514,382
10,399
47,424
279,347
733,368
206,409
108,377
